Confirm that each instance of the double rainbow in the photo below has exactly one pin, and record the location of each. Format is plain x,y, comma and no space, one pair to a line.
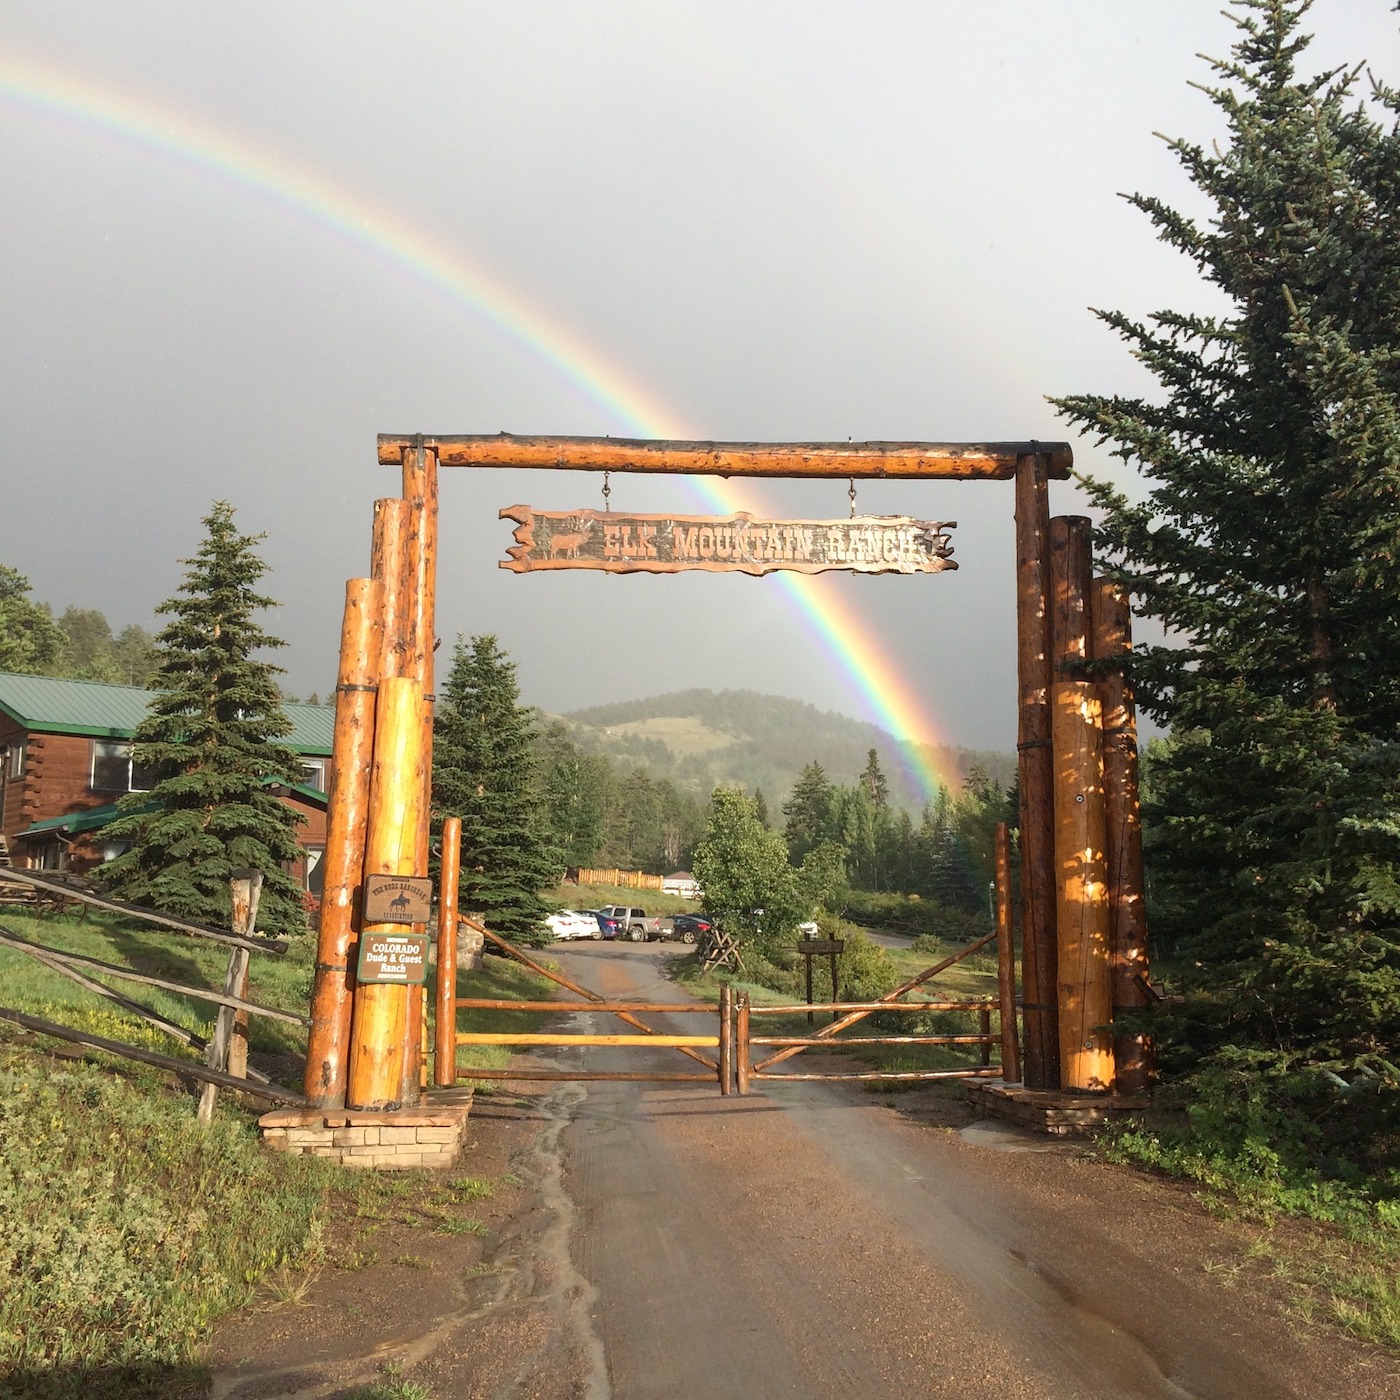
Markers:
328,209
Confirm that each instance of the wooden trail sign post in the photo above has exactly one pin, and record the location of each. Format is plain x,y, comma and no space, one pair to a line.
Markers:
379,827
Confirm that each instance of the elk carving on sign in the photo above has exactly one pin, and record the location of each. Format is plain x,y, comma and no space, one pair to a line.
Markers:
665,544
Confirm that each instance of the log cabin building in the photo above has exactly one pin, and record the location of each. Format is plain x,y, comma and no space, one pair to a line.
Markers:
65,747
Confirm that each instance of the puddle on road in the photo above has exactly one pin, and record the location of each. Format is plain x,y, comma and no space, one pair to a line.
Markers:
998,1137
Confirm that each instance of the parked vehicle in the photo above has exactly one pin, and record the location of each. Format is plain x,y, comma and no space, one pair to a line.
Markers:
632,923
568,923
690,928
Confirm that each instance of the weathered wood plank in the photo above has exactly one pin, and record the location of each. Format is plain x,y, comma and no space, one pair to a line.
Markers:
958,460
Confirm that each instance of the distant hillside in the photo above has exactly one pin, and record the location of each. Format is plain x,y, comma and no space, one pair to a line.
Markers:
703,738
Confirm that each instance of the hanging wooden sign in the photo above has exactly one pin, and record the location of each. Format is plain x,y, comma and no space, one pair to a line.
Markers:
670,544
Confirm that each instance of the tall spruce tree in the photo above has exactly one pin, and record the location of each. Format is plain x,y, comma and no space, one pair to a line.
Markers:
1269,545
808,811
211,739
484,772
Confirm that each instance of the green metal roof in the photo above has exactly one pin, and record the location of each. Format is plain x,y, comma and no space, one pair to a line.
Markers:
74,823
51,706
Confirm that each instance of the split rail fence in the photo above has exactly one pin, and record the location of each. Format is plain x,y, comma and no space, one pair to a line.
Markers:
734,1066
225,1053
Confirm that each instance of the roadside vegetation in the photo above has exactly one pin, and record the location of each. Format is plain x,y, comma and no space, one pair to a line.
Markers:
125,1228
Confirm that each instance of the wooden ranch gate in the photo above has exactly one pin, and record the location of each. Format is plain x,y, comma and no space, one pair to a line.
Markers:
1083,935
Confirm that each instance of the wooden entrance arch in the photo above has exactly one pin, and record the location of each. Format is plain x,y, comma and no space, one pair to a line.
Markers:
1083,932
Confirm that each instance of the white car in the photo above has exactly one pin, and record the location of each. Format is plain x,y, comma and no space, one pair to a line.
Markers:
568,923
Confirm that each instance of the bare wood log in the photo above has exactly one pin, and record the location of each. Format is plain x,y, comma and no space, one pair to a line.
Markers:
979,1005
1113,642
566,1007
171,1028
247,893
420,491
852,1017
741,1043
245,888
189,1068
983,1038
558,977
558,1076
64,887
879,1076
1035,768
960,460
377,1023
655,1039
352,750
12,940
1006,958
445,1019
726,1040
1084,971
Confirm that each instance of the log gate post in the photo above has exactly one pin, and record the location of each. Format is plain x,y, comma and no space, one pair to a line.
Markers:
227,1050
1035,770
1113,642
1085,973
445,1013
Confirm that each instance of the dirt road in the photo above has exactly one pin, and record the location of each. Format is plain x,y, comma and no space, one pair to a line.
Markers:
817,1242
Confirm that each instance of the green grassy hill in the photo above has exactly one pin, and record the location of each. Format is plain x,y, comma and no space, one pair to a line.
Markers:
705,737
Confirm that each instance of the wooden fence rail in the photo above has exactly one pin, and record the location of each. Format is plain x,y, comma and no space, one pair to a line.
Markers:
273,1092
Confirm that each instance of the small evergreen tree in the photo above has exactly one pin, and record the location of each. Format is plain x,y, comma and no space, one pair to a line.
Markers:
484,772
211,739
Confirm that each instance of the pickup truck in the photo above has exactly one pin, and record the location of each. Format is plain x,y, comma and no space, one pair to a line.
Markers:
628,922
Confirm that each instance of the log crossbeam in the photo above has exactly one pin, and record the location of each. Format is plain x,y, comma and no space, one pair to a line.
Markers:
985,461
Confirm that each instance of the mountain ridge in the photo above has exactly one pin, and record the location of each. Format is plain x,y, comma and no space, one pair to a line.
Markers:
702,738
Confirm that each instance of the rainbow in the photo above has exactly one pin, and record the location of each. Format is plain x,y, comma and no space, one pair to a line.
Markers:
327,208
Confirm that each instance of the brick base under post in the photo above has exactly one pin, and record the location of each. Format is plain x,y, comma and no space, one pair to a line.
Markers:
428,1135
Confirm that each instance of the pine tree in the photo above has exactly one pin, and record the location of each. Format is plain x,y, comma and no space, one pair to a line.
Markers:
873,780
484,772
808,811
29,637
1269,546
211,739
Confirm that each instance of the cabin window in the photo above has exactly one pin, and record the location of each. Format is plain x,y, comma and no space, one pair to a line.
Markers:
114,769
315,770
15,769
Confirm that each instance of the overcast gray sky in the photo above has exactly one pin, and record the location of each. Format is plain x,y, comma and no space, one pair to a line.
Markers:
237,240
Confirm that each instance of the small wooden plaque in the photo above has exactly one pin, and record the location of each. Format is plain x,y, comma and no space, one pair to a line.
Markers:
398,899
393,957
821,945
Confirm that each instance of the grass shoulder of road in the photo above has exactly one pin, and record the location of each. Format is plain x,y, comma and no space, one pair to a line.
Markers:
125,1227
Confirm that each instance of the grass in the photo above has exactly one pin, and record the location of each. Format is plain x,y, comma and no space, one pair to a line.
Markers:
125,1228
283,982
1336,1246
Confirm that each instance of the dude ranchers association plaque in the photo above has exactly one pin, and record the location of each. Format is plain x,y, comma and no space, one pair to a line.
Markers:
669,544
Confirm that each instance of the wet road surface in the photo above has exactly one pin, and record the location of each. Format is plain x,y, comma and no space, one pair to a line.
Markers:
808,1242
